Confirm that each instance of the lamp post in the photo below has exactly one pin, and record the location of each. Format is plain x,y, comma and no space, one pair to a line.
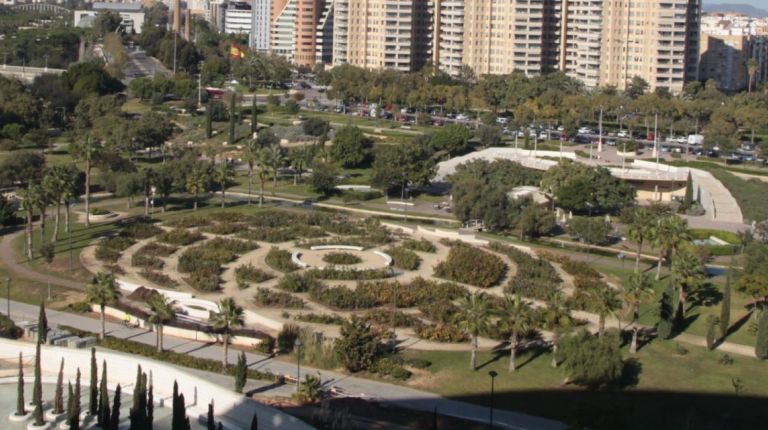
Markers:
493,376
298,344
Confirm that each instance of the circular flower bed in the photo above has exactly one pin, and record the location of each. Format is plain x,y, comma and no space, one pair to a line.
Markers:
342,258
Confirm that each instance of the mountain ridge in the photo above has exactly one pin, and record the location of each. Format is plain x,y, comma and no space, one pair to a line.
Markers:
742,8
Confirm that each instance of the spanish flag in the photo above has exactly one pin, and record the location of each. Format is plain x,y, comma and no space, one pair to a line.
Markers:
236,52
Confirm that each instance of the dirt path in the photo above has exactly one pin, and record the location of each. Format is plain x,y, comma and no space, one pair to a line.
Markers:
11,260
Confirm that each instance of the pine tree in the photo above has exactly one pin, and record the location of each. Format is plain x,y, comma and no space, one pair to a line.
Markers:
42,324
232,118
37,390
725,308
103,417
93,388
74,422
58,397
114,419
210,422
209,120
255,422
20,410
666,314
698,195
241,372
70,402
688,199
761,348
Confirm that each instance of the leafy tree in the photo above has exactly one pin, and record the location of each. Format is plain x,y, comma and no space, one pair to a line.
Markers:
637,289
636,88
473,316
595,231
666,314
316,127
291,107
593,361
89,78
452,139
324,179
516,319
7,212
349,147
536,221
228,316
397,166
241,372
266,138
102,291
106,22
357,346
579,187
23,168
489,136
162,311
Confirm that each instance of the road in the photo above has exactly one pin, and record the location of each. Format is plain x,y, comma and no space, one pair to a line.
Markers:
382,392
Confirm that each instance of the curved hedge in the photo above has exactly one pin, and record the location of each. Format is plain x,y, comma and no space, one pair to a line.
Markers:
280,260
473,266
341,258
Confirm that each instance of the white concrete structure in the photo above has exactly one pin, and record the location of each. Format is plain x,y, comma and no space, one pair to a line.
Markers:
131,13
234,410
238,18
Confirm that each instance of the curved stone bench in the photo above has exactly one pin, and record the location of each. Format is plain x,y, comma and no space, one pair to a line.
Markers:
296,259
332,247
387,258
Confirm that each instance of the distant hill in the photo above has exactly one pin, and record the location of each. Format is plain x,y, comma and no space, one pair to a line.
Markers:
738,8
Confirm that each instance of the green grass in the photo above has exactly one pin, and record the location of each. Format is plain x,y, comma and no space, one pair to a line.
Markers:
749,194
672,389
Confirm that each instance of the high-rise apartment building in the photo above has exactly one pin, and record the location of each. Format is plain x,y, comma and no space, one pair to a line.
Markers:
581,28
238,18
383,34
294,29
448,35
261,25
728,44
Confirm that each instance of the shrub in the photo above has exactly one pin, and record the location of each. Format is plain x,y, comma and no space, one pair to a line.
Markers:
269,298
180,237
267,346
282,234
209,259
440,332
251,273
418,292
341,258
110,248
114,269
470,265
593,361
441,311
404,258
141,230
8,328
341,274
418,363
358,346
298,283
233,245
100,211
280,259
190,221
388,367
590,230
320,318
146,261
352,196
535,277
341,297
421,245
223,228
384,317
157,249
159,278
203,281
286,338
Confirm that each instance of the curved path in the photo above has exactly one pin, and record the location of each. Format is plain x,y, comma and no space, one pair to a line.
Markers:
10,259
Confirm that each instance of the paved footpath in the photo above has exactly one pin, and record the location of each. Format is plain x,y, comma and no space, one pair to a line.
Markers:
379,391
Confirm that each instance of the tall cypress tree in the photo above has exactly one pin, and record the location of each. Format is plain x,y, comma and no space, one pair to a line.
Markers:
74,422
114,419
688,199
698,195
150,404
255,422
70,402
20,410
93,388
232,118
175,425
241,372
137,414
103,417
725,308
210,422
254,115
58,397
761,348
666,314
37,390
711,337
209,120
42,324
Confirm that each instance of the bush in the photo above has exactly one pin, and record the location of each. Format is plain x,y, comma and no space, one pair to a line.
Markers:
180,237
8,328
440,332
352,195
358,346
418,363
146,261
159,278
594,231
233,245
535,278
383,317
341,274
298,283
157,249
341,297
110,248
280,260
344,258
470,265
251,273
418,292
422,245
389,367
100,211
320,318
223,228
79,307
441,311
209,259
141,230
593,362
404,258
190,221
203,281
286,338
279,299
267,346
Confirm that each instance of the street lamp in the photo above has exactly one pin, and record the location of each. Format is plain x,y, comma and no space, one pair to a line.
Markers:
493,376
297,345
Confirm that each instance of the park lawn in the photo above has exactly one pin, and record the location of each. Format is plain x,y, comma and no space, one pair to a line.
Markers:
749,194
32,292
697,379
135,106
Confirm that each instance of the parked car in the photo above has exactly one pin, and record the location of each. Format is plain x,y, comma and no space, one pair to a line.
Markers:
462,117
585,130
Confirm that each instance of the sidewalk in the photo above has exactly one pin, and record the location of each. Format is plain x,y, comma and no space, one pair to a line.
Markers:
379,391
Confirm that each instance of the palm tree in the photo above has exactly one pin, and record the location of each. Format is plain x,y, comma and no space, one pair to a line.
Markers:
276,159
473,316
688,272
637,289
250,155
224,174
163,311
41,200
667,234
102,291
606,302
28,204
639,231
517,319
751,71
54,183
262,162
197,182
86,150
299,162
69,191
558,319
230,315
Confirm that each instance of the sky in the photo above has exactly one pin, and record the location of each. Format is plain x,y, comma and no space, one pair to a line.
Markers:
762,4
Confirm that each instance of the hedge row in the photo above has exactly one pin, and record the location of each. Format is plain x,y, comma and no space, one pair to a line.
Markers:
180,237
473,266
146,261
320,318
441,311
418,292
535,277
204,262
157,249
159,278
572,267
250,273
141,230
269,298
384,317
280,260
341,297
343,258
110,248
421,245
298,283
189,222
282,234
440,333
404,258
341,274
